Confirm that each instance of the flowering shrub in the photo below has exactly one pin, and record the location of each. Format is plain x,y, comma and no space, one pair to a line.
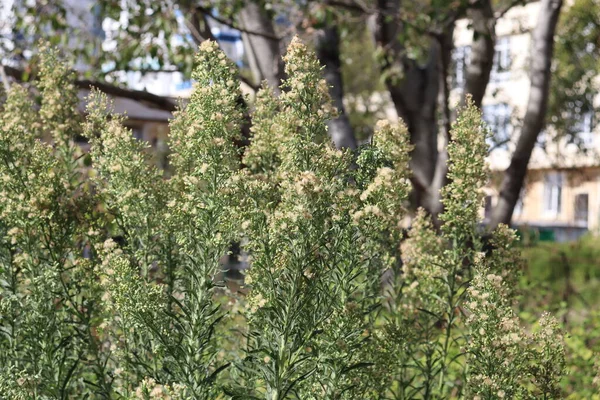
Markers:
109,281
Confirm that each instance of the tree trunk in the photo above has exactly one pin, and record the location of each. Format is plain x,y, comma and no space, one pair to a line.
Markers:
541,61
264,52
433,199
414,96
328,51
482,52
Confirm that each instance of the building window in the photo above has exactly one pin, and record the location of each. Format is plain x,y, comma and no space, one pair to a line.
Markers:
230,41
137,132
553,193
502,60
584,125
497,116
582,209
518,210
183,85
542,139
461,57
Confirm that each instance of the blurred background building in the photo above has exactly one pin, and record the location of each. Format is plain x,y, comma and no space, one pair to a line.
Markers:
561,197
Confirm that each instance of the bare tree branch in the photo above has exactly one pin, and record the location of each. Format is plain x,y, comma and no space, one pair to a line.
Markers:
482,51
500,13
498,145
163,103
356,5
232,24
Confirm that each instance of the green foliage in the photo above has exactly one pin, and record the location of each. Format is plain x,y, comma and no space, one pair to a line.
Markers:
50,294
574,83
562,277
360,69
454,333
109,275
557,272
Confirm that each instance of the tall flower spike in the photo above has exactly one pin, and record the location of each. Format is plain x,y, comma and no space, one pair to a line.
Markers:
505,259
549,366
263,153
393,140
462,197
421,270
17,133
132,297
382,173
497,348
390,185
203,133
27,166
59,112
306,106
122,164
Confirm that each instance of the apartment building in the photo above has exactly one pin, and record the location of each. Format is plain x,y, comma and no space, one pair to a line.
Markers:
561,195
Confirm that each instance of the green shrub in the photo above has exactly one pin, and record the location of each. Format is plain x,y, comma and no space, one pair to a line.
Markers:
108,275
562,277
563,264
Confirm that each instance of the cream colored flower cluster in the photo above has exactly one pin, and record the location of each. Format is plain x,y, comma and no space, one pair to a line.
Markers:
308,93
149,389
467,173
503,358
505,259
175,231
59,112
311,265
132,297
497,348
131,186
27,171
202,135
268,135
384,197
424,269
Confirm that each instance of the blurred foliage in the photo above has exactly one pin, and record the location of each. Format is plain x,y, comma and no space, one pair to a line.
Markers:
564,271
111,36
362,80
564,278
574,83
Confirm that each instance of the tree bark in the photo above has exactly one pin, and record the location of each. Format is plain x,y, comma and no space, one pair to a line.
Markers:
328,52
264,52
541,59
415,100
482,52
433,198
